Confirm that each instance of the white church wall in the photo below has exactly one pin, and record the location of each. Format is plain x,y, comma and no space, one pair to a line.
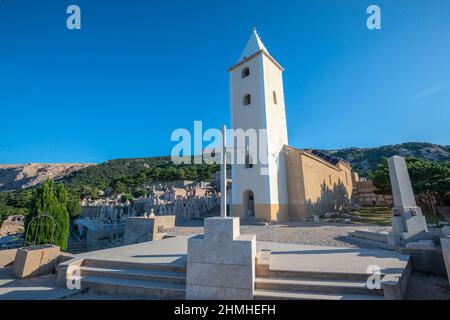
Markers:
248,117
277,130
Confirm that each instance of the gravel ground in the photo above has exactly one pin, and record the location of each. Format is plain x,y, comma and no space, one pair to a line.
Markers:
321,234
424,286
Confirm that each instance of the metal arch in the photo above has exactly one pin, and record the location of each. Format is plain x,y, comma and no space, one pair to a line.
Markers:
38,217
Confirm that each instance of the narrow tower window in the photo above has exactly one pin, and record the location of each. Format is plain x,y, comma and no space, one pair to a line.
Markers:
245,72
248,161
274,97
247,100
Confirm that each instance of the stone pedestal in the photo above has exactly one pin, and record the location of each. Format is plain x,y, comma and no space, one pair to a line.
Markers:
407,218
35,260
142,229
139,229
445,242
221,263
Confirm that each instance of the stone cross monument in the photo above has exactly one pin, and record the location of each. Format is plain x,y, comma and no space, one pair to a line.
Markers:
223,174
221,262
407,218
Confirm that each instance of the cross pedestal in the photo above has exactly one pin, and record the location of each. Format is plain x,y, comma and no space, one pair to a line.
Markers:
221,263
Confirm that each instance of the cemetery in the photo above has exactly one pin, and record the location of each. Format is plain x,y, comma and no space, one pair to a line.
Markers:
141,249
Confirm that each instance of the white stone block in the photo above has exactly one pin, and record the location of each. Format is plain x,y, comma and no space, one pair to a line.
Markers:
221,265
222,229
220,275
240,251
445,242
415,224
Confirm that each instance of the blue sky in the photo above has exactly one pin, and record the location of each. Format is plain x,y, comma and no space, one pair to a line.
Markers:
140,69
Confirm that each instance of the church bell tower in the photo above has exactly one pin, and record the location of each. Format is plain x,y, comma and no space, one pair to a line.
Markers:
259,187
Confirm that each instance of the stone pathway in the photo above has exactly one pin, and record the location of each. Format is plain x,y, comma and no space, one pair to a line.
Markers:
42,288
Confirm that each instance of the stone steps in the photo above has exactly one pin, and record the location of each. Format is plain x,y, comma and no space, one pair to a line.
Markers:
151,281
123,265
372,243
372,235
135,274
316,275
371,238
378,236
312,285
305,295
148,289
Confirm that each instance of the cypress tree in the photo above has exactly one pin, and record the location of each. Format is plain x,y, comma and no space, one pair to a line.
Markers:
50,200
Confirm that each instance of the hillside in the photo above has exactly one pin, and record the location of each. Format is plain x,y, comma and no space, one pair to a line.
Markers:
130,176
364,159
132,172
22,176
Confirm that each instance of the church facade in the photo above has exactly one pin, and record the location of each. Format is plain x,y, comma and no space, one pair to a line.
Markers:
293,184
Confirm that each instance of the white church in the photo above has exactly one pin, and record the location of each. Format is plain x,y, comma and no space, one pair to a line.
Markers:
296,183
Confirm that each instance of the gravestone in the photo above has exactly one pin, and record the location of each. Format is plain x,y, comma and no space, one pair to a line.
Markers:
407,218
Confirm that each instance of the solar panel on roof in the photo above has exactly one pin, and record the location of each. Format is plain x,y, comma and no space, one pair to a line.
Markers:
326,157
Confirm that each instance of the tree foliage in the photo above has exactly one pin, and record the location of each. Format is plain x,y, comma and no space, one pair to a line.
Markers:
48,199
430,180
73,207
129,176
126,197
13,202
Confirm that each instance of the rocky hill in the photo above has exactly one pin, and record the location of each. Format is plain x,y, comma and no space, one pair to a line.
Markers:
364,159
22,176
131,171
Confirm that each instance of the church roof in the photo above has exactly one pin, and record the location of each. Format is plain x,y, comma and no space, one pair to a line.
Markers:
254,45
333,161
326,157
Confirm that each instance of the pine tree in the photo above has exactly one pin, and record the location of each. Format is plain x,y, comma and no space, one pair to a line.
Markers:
53,228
